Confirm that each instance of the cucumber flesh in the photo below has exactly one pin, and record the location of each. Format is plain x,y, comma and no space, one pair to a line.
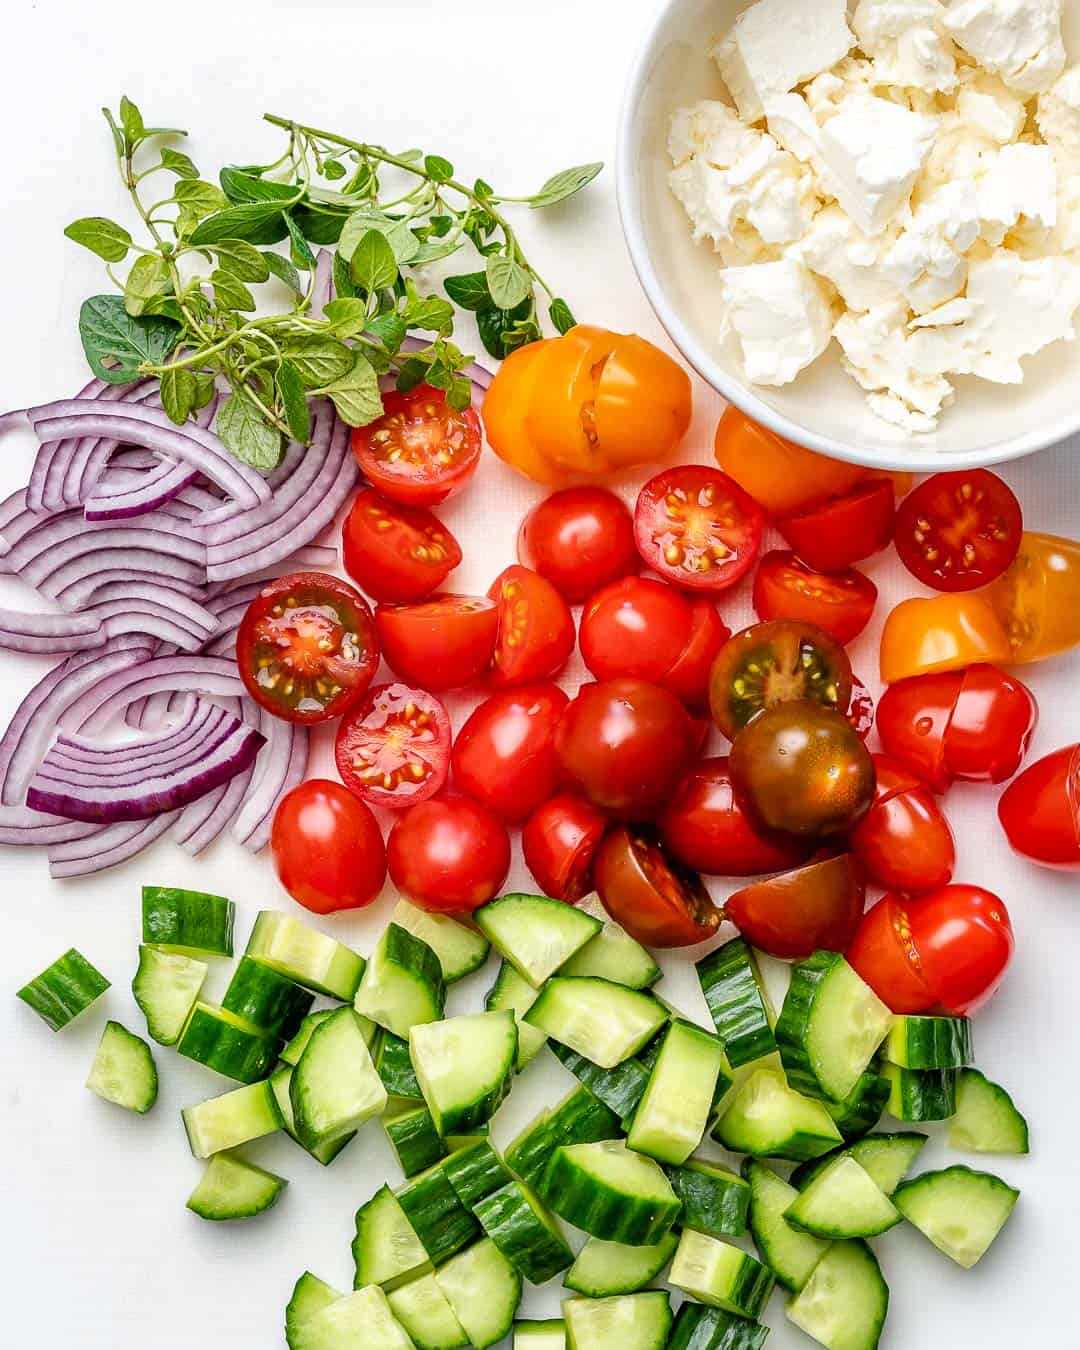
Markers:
123,1070
535,934
423,1310
767,1119
189,922
887,1158
231,1188
961,1211
605,1022
514,992
671,1117
311,958
546,1335
612,954
310,1296
720,1275
335,1087
295,1048
844,1303
714,1200
484,1290
232,1119
986,1120
791,1256
843,1201
464,1066
737,1001
603,1269
402,985
362,1318
460,949
610,1192
386,1248
63,990
325,1154
626,1322
700,1328
166,987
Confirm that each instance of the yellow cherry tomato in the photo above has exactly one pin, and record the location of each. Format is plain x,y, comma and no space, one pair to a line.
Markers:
504,409
942,632
1038,598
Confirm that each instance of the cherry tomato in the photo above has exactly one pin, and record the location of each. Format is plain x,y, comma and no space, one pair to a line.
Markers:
579,539
657,900
841,603
1040,810
772,663
559,842
802,769
838,533
396,552
904,840
394,750
420,451
883,954
942,632
912,718
1038,598
964,939
307,647
959,530
635,627
536,629
860,711
441,643
449,855
624,744
697,527
688,678
327,848
817,908
504,755
508,399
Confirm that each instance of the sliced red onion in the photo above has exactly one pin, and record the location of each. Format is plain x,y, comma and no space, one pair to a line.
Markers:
77,581
158,486
281,767
107,846
203,821
92,711
20,825
67,538
479,375
146,616
50,634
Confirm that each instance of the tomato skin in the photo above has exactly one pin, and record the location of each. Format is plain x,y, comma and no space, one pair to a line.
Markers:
441,643
841,603
943,632
836,534
657,901
327,848
905,842
579,539
964,939
449,855
860,711
505,405
1037,599
791,916
394,552
1040,810
688,678
436,456
535,628
504,755
394,728
559,842
697,528
635,628
992,724
960,530
882,954
912,718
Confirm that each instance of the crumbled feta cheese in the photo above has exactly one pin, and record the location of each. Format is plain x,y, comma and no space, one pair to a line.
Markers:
877,354
781,316
836,249
792,124
1021,180
908,42
1020,40
953,311
988,107
1058,118
927,262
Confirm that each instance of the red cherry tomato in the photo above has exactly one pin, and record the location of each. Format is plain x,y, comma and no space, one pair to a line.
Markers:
843,531
957,531
559,842
839,602
697,527
912,718
306,648
579,539
883,954
657,900
1040,810
904,840
396,552
504,755
964,939
688,678
992,723
817,908
394,750
420,451
860,711
536,628
892,778
441,643
327,848
448,855
636,628
624,744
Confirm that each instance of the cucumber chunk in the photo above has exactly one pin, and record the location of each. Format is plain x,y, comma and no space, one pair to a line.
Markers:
228,1044
395,1066
335,1087
191,923
484,1290
720,1275
578,1119
63,990
267,999
606,1268
305,955
524,1232
886,1157
610,1192
714,1199
672,1115
415,1140
627,1322
862,1108
460,949
612,954
535,934
844,1303
231,1188
605,1022
123,1070
929,1042
424,1311
843,1201
232,1119
766,1118
439,1219
514,992
296,1047
791,1256
362,1318
476,1171
310,1296
701,1328
737,1001
920,1094
166,986
547,1335
402,985
280,1082
386,1248
464,1066
961,1211
986,1120
620,1088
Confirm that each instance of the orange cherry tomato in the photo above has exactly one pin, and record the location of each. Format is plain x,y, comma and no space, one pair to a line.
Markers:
944,632
1038,598
503,412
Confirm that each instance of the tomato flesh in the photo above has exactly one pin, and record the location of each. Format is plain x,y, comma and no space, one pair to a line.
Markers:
831,537
449,855
636,628
535,628
883,954
697,527
395,552
421,450
441,643
964,939
1040,810
657,900
957,531
504,755
841,603
579,539
559,842
394,750
327,848
816,908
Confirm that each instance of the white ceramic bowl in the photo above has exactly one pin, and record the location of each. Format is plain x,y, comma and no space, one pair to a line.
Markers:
823,408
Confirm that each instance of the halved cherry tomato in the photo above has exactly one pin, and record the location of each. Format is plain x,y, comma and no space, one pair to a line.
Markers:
504,755
697,527
657,900
579,539
536,628
941,632
441,643
838,533
1038,598
635,627
559,842
883,954
959,530
688,678
912,718
817,908
449,855
396,552
307,647
778,662
1040,810
841,603
860,711
327,848
420,451
394,750
904,840
964,939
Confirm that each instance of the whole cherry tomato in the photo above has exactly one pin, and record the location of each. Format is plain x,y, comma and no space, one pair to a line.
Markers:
959,530
559,842
327,848
943,632
579,539
505,405
1038,598
912,718
624,744
841,603
394,750
688,678
504,755
449,855
657,900
697,528
420,451
964,939
635,627
396,552
1040,810
441,643
883,954
904,840
817,908
536,629
838,533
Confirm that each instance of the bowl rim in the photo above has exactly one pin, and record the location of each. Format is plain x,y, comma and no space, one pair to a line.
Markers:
627,191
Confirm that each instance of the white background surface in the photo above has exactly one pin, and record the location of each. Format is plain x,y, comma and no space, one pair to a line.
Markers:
97,1248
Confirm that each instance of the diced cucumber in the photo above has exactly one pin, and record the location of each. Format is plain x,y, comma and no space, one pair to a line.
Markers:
166,986
986,1120
189,922
961,1211
605,1022
280,1081
861,1109
123,1070
232,1119
920,1094
386,1249
267,999
63,990
231,1188
843,1201
626,1322
524,1232
929,1042
423,1310
296,1047
311,958
714,1199
830,1026
737,1001
700,1328
844,1303
535,934
620,1088
460,949
484,1290
578,1119
439,1219
768,1119
791,1256
514,992
886,1157
415,1140
720,1275
335,1087
610,1192
612,954
464,1066
227,1044
606,1268
310,1296
548,1335
395,1066
475,1172
672,1115
362,1318
403,983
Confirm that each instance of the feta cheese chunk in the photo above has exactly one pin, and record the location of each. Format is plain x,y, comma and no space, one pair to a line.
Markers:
781,316
908,42
836,249
927,262
1020,40
987,107
1021,180
1058,118
877,353
777,44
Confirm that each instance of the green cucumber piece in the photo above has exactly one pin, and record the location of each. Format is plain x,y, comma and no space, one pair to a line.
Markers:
580,1118
280,1081
476,1171
296,1047
311,958
465,1066
700,1328
231,1188
738,1004
605,1022
335,1087
524,1232
929,1042
960,1210
228,1044
123,1070
714,1199
767,1119
843,1201
545,1335
267,999
439,1219
535,934
513,992
720,1275
423,1310
920,1094
886,1157
484,1290
232,1119
310,1296
985,1119
191,923
166,987
626,1322
612,954
610,1192
791,1256
395,1066
460,949
362,1318
672,1115
415,1140
63,990
386,1248
603,1269
844,1303
620,1088
862,1108
402,985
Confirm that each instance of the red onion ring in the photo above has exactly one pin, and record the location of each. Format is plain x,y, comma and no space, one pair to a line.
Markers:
106,846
